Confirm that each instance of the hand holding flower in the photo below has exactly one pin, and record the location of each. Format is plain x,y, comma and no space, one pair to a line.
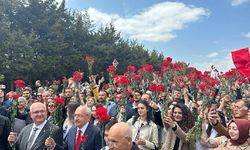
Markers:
50,143
153,105
12,137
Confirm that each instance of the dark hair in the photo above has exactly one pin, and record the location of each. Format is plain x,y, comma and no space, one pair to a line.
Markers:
97,105
92,118
246,102
110,123
187,121
138,91
223,122
149,113
71,107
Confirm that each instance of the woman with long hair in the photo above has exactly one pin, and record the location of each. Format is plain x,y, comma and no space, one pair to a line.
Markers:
177,124
144,130
69,121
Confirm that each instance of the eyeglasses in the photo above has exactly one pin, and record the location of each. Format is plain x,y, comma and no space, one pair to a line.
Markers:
78,116
38,111
52,105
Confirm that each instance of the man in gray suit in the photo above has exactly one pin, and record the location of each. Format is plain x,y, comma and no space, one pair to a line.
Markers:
33,136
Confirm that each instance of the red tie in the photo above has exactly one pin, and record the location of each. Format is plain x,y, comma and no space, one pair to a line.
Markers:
78,140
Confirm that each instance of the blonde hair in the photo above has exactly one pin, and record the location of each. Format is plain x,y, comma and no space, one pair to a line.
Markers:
91,97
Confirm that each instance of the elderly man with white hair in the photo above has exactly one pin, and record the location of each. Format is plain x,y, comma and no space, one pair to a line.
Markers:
23,111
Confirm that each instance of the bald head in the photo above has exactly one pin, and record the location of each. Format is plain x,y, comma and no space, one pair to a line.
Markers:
120,136
85,109
122,129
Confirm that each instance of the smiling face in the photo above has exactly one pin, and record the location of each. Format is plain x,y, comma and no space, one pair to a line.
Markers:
38,113
142,110
233,131
26,94
21,103
240,110
177,114
52,106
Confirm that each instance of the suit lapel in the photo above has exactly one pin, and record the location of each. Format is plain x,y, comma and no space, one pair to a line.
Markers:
27,134
74,137
88,133
42,135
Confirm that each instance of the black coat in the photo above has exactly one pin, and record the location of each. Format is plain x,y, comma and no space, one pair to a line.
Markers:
4,132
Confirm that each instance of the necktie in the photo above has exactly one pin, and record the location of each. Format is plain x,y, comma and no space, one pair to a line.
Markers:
31,139
78,140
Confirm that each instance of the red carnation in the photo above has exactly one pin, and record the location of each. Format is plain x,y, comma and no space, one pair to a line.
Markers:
128,93
15,96
137,77
102,114
123,80
141,71
77,76
182,85
169,59
159,88
148,67
131,68
192,84
152,87
100,111
104,117
83,139
111,68
19,84
59,100
202,86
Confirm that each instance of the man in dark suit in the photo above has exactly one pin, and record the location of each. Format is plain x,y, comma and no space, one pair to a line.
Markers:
81,129
33,136
4,132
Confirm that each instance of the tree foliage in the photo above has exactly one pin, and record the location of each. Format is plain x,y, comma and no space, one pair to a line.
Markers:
41,39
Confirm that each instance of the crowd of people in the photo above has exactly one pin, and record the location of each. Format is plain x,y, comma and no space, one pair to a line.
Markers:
95,115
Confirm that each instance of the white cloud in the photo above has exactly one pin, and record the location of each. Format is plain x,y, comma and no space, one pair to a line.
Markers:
224,63
211,55
156,23
247,35
239,2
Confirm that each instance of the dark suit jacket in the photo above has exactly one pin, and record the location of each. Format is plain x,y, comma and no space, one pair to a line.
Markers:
135,147
23,137
92,142
4,132
19,125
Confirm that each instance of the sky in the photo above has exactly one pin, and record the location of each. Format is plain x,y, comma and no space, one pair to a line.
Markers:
200,32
